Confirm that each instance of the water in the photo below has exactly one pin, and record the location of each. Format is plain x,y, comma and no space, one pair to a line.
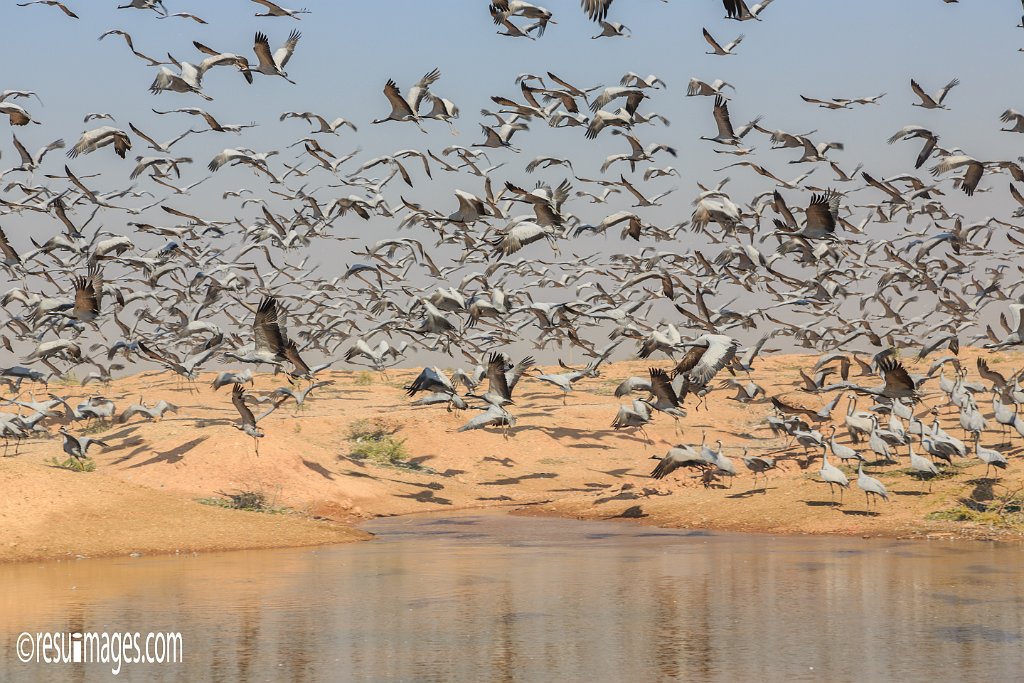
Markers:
495,598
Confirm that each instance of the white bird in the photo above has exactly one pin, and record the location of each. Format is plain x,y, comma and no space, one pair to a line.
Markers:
832,475
274,10
16,115
613,29
96,138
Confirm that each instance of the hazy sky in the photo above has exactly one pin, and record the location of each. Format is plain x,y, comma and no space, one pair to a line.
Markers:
348,50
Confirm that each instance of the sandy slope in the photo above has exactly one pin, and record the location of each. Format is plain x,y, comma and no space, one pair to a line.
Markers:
561,460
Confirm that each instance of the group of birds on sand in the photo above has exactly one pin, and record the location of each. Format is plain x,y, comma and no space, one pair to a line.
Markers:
110,275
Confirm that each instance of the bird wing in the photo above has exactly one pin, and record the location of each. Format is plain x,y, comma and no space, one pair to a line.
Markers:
238,399
597,10
661,386
712,42
721,350
266,330
926,150
26,158
820,213
946,88
261,46
497,383
419,91
721,113
1016,195
896,376
517,372
916,87
398,103
284,53
689,361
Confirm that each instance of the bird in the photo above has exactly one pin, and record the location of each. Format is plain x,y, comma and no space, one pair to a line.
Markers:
77,447
832,475
274,10
929,102
407,108
272,64
717,49
152,413
50,3
16,115
96,138
991,457
738,10
248,422
921,465
665,399
870,486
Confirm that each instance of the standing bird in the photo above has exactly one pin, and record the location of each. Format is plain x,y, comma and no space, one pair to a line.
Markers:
991,458
832,475
921,465
870,486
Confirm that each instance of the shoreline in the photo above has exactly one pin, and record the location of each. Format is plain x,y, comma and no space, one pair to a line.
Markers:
562,460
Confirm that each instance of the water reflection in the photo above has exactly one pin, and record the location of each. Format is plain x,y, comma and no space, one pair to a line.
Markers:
513,599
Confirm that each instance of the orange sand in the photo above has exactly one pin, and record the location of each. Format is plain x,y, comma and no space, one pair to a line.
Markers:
563,460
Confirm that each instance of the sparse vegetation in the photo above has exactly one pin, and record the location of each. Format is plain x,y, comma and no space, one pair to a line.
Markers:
373,439
1003,509
73,464
254,501
364,379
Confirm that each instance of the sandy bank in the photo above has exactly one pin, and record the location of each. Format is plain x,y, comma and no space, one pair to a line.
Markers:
142,496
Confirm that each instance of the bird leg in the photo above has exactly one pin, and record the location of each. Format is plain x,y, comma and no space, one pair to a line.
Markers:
256,443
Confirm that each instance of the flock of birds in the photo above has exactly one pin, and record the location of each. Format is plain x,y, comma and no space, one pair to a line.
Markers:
474,278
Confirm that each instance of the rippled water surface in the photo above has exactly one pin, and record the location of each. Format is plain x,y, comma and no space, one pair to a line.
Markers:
495,598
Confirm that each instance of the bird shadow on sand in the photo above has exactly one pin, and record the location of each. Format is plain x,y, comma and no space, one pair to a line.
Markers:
749,493
632,512
127,443
821,503
427,496
596,446
559,432
620,473
631,495
140,447
512,481
861,513
174,455
319,469
910,493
